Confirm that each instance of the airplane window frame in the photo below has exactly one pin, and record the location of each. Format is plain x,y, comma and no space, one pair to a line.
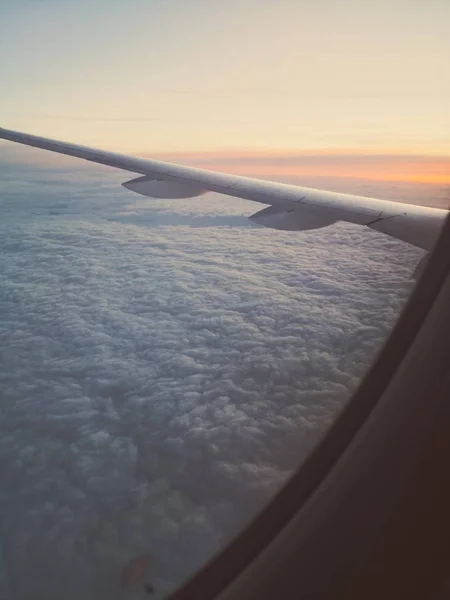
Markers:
229,564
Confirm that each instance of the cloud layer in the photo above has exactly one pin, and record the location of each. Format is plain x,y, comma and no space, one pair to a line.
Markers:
165,366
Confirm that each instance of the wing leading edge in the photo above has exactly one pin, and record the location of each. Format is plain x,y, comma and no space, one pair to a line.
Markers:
291,207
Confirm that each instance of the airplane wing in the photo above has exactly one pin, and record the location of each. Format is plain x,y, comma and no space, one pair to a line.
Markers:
291,207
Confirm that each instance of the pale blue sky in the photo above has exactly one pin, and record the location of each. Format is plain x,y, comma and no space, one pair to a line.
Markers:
182,75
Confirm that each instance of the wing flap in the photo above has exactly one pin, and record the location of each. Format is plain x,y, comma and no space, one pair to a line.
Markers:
291,220
162,188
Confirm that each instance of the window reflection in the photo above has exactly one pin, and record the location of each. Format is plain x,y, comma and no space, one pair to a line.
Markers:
166,367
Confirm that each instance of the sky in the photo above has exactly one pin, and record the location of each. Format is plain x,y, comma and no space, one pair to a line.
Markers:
242,76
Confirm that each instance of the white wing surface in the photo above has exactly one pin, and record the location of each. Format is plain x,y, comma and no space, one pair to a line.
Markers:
290,207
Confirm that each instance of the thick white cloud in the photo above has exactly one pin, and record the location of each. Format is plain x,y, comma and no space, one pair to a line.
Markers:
164,368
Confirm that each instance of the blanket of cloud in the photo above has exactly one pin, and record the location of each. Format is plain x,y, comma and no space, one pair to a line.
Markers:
165,366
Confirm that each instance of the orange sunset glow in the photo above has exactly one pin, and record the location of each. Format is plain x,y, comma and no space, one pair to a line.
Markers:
377,167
